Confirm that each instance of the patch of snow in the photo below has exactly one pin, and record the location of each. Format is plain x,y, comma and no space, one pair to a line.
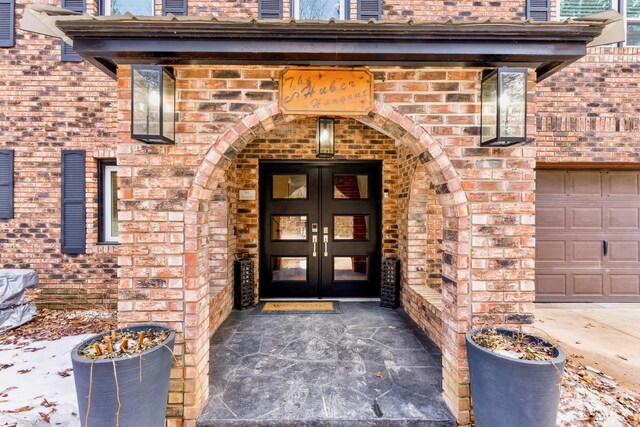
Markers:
44,360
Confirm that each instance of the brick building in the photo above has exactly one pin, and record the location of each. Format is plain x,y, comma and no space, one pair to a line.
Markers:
150,229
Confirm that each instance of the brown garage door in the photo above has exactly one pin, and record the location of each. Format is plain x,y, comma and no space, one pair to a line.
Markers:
588,236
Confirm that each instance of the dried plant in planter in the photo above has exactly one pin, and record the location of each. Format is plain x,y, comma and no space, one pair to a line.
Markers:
123,343
518,346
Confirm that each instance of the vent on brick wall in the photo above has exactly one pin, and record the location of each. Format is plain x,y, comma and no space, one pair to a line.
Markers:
176,7
67,53
539,10
270,9
369,9
7,23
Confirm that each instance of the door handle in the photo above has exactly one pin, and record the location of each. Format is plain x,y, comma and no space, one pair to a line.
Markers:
315,245
605,247
326,244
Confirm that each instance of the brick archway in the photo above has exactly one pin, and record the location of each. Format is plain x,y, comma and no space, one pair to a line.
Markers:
455,246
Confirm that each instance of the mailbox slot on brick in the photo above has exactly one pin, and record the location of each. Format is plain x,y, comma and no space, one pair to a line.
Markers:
390,286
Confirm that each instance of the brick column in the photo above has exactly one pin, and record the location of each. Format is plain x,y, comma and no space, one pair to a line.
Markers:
151,181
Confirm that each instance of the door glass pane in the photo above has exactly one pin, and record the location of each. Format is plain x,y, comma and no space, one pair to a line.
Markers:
289,269
289,227
351,187
289,186
350,268
351,227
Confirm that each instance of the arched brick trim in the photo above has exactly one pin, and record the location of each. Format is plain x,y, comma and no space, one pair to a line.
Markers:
456,244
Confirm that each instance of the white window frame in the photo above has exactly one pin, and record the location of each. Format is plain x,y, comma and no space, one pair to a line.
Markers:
623,5
107,201
296,9
619,6
107,8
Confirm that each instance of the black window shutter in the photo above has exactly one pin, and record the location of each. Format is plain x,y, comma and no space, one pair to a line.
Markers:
68,54
270,9
177,7
74,223
6,184
539,10
7,23
369,9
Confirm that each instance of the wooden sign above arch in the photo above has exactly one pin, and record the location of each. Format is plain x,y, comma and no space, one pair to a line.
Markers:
326,91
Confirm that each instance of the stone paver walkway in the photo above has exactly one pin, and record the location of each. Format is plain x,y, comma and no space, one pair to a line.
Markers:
367,366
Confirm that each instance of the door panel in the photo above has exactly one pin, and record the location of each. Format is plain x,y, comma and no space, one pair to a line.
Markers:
288,208
351,217
320,229
588,236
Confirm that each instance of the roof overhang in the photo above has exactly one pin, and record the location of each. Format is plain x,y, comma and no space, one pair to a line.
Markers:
108,41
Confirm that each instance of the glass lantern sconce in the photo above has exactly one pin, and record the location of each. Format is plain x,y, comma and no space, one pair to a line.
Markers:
325,143
504,107
153,100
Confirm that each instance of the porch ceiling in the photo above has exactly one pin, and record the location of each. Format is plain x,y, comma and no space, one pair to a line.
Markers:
108,41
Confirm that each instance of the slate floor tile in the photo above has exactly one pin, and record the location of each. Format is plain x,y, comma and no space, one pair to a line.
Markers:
367,366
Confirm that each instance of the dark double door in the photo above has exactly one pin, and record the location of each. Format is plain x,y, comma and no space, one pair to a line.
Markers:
320,229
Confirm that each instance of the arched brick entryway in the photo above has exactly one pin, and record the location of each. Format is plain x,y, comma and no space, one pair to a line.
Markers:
455,245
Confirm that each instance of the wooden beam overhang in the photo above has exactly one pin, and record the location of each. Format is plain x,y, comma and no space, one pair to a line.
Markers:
168,40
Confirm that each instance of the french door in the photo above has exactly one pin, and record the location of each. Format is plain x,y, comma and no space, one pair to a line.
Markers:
320,229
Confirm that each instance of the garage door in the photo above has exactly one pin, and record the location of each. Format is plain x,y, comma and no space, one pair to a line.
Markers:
588,236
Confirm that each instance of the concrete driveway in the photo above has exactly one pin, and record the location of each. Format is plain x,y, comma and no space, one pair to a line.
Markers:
606,335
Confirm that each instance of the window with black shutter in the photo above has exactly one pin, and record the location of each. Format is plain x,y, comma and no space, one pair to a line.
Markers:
6,184
270,9
539,10
369,9
74,223
176,7
68,54
7,23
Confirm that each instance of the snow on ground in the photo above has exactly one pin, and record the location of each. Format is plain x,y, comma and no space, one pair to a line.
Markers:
38,386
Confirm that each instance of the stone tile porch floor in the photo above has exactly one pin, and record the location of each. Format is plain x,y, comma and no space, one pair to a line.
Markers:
367,366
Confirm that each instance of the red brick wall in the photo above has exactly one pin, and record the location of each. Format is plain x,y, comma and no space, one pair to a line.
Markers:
46,106
589,112
222,247
468,10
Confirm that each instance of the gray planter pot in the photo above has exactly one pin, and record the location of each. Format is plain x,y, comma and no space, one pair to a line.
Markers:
508,392
143,385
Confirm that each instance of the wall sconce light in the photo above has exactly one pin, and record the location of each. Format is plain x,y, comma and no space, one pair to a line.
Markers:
153,100
504,107
325,144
